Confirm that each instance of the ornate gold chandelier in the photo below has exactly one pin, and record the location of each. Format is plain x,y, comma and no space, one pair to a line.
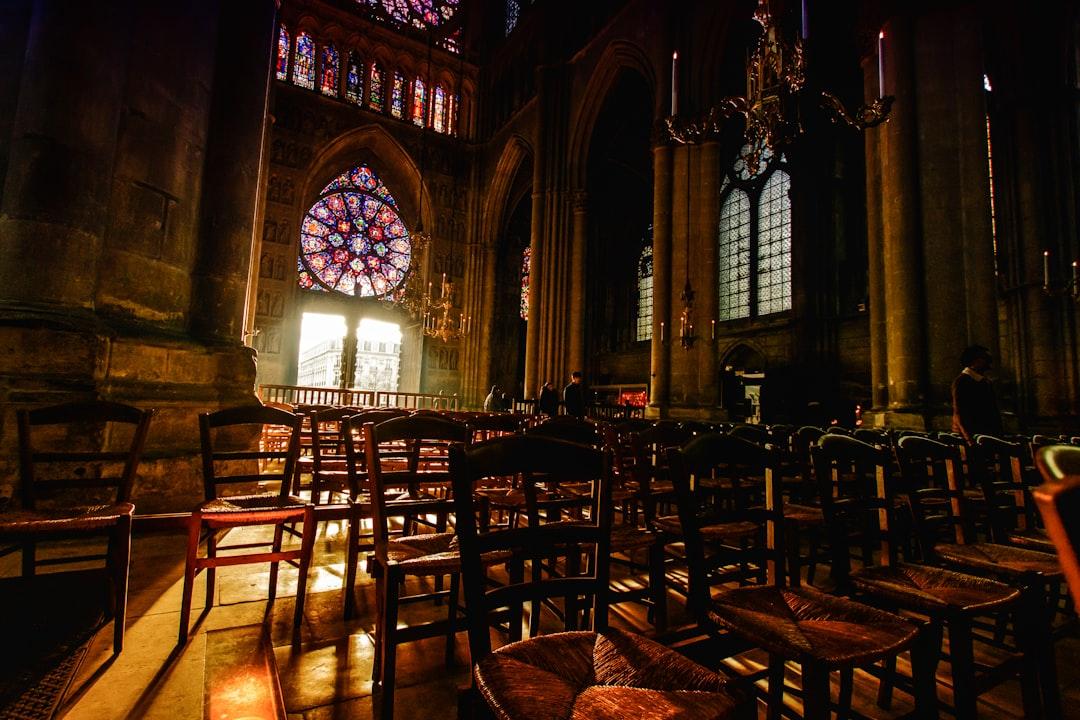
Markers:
776,97
438,317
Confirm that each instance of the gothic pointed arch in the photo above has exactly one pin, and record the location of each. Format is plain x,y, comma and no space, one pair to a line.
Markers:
619,56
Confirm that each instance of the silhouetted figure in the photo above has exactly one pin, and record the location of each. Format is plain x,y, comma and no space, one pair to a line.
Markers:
548,402
493,402
573,395
975,409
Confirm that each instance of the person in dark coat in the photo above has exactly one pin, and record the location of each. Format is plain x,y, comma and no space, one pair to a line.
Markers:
975,409
493,402
548,402
573,395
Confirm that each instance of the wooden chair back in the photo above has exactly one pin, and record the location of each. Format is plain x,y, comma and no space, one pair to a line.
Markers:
329,462
851,478
570,429
930,471
398,481
1058,500
998,466
76,447
232,455
531,459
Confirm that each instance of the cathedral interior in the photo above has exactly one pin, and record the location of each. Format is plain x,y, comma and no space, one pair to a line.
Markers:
736,216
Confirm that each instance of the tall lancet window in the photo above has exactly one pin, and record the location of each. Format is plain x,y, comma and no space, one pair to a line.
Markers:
281,66
354,79
328,76
304,62
645,290
526,262
754,239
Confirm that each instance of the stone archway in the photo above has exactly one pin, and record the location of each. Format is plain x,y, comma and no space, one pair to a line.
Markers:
743,386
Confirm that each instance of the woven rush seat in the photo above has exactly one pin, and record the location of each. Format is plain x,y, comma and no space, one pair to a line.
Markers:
803,514
63,520
432,554
1001,559
630,537
1032,539
806,625
934,590
613,674
711,531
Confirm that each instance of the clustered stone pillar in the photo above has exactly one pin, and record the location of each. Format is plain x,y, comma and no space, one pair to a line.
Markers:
707,298
233,161
931,264
580,242
660,372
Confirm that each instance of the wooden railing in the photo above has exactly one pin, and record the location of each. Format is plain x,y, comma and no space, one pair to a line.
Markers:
596,410
301,395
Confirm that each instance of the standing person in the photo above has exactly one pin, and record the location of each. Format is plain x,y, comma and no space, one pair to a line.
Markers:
573,395
975,409
548,402
492,401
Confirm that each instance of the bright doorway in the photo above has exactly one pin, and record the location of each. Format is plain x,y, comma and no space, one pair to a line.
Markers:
325,346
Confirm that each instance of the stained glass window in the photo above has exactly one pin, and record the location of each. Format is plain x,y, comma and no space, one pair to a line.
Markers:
754,238
513,12
304,62
376,96
419,102
774,245
645,290
352,240
328,79
354,79
417,13
734,257
451,114
281,67
438,109
397,96
526,262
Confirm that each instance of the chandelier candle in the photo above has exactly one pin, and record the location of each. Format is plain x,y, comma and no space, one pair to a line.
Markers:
674,83
805,22
1046,270
881,64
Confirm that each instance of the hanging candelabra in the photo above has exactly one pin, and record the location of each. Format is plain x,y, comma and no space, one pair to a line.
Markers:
777,96
440,319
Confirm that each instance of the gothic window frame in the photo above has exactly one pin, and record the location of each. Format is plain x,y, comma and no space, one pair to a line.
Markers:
354,82
283,53
306,78
328,55
354,217
644,271
763,232
526,277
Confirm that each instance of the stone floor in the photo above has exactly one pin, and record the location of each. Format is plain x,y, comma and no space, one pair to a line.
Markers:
242,647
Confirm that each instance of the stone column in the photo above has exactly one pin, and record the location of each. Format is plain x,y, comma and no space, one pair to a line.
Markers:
660,362
233,162
707,298
903,260
879,377
579,245
63,144
532,329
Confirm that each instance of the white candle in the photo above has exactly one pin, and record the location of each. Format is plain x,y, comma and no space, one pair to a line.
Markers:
661,331
881,64
805,22
1046,269
1076,276
712,333
674,83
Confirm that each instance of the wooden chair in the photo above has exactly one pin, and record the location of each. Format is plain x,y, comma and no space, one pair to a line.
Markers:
602,673
228,460
329,464
940,517
396,490
1058,500
76,473
821,632
999,469
946,598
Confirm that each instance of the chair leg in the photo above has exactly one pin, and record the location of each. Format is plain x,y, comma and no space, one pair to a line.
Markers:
211,571
375,569
815,681
195,525
452,614
352,558
961,652
847,686
775,701
1047,660
1029,649
279,530
888,681
388,640
307,545
925,653
658,585
119,559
